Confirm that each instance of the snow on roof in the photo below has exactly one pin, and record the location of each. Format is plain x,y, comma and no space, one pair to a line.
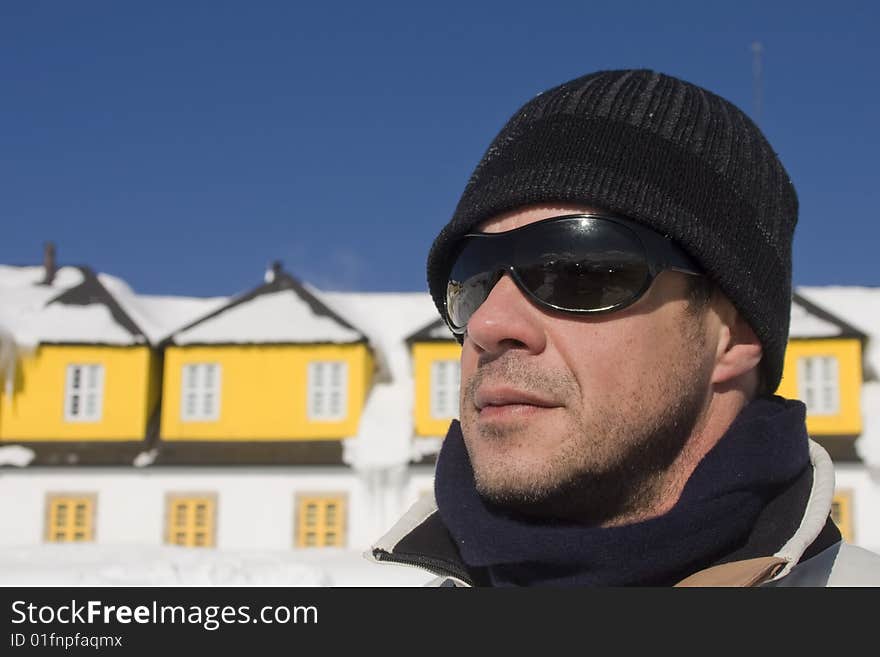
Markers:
87,324
158,315
27,314
385,433
273,317
805,324
386,318
22,299
435,330
857,306
15,278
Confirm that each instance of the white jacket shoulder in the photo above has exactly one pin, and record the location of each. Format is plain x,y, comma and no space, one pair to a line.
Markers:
841,564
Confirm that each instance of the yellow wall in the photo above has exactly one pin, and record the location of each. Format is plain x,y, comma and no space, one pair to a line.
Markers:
35,410
849,357
423,355
263,393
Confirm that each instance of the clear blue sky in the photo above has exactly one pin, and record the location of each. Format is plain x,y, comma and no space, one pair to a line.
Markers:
185,145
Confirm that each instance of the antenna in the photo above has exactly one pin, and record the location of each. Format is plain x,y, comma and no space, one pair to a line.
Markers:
757,50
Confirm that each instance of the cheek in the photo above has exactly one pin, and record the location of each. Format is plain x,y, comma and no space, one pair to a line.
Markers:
468,368
612,360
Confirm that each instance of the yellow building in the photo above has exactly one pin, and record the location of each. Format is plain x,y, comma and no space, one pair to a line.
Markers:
82,383
274,376
177,394
270,378
824,369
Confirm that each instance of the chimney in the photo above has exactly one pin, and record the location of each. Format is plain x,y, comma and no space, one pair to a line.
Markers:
49,263
273,271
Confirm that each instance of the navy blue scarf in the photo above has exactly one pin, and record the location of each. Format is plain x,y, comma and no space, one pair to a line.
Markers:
762,452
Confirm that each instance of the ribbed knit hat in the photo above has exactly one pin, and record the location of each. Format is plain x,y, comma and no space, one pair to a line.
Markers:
661,151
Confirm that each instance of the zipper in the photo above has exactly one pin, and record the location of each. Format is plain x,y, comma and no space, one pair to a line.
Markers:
438,567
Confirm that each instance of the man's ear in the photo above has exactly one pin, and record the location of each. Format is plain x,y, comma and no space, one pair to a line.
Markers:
738,351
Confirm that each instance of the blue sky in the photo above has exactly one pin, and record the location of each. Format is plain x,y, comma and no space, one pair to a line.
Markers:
183,146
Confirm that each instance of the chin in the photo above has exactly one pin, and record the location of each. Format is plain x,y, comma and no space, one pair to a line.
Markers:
504,476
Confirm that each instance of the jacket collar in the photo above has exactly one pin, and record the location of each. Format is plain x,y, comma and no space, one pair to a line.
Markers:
420,539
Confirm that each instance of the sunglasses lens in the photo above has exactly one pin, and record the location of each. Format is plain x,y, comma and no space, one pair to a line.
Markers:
593,282
574,264
464,297
474,274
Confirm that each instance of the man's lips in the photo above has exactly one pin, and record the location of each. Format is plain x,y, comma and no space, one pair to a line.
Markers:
497,397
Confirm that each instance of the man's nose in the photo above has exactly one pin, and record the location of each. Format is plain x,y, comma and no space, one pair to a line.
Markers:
507,319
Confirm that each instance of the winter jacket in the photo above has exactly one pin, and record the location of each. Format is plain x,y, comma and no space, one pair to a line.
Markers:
813,556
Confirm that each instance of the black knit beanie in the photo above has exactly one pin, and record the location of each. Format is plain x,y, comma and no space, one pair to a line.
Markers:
661,151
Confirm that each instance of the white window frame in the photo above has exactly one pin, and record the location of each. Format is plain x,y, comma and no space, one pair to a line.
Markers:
84,382
445,382
193,386
818,379
327,390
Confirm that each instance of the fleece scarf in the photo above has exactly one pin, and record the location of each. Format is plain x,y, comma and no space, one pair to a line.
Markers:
762,452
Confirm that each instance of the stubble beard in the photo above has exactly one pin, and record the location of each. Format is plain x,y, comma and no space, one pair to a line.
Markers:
613,464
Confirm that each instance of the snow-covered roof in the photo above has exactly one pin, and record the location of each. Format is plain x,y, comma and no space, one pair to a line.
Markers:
811,320
805,324
74,308
859,307
160,315
279,311
434,331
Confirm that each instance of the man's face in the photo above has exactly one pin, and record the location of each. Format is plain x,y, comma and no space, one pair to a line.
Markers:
579,417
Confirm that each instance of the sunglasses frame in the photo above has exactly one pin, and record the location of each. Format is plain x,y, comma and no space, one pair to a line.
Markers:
660,252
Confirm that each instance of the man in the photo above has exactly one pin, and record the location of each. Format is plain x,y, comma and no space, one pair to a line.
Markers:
618,272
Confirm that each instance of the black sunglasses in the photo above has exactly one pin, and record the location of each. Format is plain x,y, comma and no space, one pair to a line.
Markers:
576,263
